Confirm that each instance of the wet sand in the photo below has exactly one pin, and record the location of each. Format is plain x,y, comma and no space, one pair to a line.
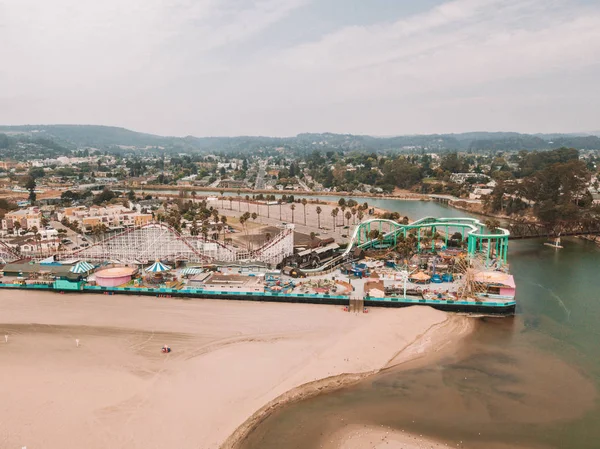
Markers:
364,437
229,359
480,393
371,437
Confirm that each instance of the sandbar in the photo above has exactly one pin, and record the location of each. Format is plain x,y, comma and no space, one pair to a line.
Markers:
229,358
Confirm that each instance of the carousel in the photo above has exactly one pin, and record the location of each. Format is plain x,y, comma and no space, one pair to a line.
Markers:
157,273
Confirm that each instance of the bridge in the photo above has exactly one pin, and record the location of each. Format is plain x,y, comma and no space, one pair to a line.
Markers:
446,199
521,229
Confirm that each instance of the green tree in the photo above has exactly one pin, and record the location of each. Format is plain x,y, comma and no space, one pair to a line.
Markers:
30,185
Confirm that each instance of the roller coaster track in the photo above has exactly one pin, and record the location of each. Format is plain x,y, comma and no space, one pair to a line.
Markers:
7,254
472,226
160,241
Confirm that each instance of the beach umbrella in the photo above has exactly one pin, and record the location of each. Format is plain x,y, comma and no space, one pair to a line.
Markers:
158,267
81,267
420,276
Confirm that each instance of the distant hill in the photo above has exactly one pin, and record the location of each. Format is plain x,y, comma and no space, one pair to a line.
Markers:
89,135
109,136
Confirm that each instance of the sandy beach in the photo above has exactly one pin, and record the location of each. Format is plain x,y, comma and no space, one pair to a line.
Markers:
229,359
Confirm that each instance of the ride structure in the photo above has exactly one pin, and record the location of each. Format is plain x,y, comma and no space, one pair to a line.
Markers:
158,241
479,240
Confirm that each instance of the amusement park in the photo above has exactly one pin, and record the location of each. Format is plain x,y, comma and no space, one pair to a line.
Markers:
451,264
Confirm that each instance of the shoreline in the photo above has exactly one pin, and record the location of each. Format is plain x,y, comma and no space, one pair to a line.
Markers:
230,359
403,196
433,343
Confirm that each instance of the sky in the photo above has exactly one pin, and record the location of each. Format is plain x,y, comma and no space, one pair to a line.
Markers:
283,67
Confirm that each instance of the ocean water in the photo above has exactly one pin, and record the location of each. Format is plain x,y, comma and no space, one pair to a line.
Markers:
526,381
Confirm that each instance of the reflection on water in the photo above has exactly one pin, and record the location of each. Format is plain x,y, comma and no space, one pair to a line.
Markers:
529,380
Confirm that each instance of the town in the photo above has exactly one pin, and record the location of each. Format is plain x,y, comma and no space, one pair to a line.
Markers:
91,219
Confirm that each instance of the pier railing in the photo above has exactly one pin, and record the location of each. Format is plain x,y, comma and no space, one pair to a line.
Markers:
491,305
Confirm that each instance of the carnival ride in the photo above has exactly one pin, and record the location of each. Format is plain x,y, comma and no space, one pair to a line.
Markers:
7,254
158,241
389,231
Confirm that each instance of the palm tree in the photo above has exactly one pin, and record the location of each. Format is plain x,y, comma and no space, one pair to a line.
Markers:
280,201
248,202
222,193
38,240
96,231
224,221
334,213
243,219
239,200
354,215
304,204
230,202
34,230
293,207
319,210
17,226
348,217
360,215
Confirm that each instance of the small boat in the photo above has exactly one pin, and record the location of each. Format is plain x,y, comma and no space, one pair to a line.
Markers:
556,244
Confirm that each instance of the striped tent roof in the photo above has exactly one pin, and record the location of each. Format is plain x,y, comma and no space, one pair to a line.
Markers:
191,270
158,267
81,267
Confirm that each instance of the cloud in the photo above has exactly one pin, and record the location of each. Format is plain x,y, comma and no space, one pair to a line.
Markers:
202,66
456,44
88,43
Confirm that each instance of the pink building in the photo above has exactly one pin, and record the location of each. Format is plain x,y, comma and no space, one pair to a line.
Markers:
113,277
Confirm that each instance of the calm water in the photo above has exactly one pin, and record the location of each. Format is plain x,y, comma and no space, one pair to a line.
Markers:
412,209
529,381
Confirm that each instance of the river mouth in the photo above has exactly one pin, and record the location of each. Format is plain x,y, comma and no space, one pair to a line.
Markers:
484,393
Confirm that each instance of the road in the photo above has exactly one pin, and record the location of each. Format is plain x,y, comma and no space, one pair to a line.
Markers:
77,239
260,176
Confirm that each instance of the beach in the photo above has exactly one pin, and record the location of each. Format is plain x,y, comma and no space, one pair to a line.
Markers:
229,359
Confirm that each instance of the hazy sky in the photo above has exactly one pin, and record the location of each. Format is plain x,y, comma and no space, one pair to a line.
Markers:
281,67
